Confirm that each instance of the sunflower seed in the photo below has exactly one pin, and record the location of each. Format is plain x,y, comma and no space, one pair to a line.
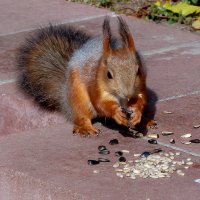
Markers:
145,154
122,159
183,142
93,162
119,170
172,141
101,148
125,151
119,175
96,171
197,180
181,173
197,126
113,142
152,141
153,135
189,163
195,141
177,153
118,153
188,159
103,160
136,154
166,133
188,135
116,165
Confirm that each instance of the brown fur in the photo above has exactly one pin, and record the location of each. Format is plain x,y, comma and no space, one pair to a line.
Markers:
96,88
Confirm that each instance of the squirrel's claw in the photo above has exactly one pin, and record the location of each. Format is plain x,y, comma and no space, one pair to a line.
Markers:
86,131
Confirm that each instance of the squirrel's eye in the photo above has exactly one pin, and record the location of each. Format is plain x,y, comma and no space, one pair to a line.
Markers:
109,75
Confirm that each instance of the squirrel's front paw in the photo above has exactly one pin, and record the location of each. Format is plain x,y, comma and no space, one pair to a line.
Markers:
135,117
84,131
120,117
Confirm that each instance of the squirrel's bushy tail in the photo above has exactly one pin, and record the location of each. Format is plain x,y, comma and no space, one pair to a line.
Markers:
42,62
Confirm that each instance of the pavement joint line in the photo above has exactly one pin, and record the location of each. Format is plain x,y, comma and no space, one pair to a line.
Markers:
64,22
179,96
171,48
2,82
175,148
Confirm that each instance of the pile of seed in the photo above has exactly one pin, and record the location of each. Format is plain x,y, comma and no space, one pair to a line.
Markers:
153,166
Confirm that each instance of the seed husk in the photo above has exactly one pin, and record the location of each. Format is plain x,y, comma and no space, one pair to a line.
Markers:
166,133
93,162
167,112
188,135
153,135
152,141
197,126
113,142
195,141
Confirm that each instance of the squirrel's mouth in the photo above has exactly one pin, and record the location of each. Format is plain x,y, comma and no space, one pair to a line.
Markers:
124,102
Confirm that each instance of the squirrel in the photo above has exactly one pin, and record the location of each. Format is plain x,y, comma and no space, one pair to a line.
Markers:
85,76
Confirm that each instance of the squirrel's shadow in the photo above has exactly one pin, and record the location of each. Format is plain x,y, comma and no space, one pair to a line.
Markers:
149,113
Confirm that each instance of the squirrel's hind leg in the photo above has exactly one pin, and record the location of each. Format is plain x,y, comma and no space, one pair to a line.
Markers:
81,107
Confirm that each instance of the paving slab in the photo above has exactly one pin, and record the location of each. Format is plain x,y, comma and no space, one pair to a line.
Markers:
150,39
17,16
54,156
42,160
20,113
185,114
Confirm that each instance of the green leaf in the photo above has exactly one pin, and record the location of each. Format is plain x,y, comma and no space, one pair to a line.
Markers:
183,8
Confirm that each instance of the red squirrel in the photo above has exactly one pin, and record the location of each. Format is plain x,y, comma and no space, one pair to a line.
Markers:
85,76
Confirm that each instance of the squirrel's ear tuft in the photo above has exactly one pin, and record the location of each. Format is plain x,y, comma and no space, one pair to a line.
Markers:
106,37
126,34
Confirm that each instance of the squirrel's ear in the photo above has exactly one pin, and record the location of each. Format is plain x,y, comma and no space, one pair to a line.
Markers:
106,37
126,34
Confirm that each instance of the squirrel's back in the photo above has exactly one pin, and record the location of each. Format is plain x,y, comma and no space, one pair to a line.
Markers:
43,61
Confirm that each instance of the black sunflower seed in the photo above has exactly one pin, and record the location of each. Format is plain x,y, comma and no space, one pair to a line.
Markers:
114,141
172,141
145,154
152,141
93,162
104,152
122,159
118,153
195,141
101,148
